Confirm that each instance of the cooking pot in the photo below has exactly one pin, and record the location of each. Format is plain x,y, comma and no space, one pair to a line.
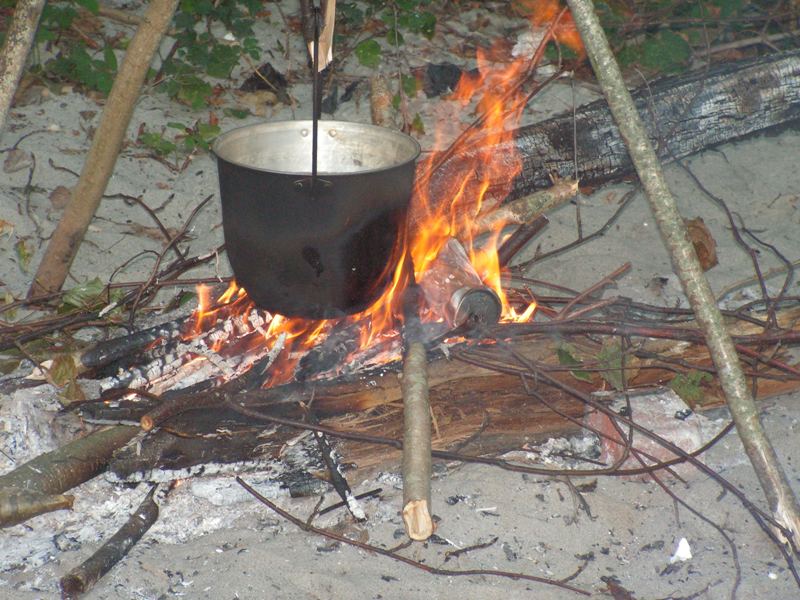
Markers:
315,249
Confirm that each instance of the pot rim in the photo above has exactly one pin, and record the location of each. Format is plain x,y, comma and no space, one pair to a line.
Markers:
218,150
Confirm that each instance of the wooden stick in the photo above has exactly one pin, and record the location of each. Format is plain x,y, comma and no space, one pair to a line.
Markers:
417,426
80,579
35,487
102,156
527,208
762,455
19,39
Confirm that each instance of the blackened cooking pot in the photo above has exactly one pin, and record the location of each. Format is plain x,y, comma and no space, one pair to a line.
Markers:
315,253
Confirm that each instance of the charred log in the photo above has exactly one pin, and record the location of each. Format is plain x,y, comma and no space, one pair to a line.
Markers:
683,115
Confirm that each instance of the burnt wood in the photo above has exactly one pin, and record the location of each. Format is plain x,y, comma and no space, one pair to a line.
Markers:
682,114
491,409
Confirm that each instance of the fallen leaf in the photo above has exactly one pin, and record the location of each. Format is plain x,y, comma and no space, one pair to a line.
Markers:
60,196
704,243
6,228
258,101
610,359
24,254
16,160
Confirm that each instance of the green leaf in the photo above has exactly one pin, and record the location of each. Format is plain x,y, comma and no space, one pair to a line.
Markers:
566,358
417,125
236,113
110,58
689,386
666,52
410,85
157,143
368,53
728,8
85,296
394,37
24,252
610,361
419,22
349,13
207,132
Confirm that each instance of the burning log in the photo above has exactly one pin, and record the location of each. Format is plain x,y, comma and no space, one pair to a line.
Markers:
451,285
682,114
80,579
105,353
212,435
35,487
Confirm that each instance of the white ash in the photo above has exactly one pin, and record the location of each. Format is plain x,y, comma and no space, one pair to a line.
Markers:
560,452
30,425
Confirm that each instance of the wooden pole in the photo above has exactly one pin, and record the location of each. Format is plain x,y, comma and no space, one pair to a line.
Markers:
102,156
19,39
779,494
416,424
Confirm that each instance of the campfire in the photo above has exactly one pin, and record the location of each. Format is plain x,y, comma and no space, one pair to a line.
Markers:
235,387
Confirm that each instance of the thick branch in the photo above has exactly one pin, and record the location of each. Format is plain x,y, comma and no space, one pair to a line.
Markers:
417,426
19,39
102,156
682,115
80,579
685,262
35,487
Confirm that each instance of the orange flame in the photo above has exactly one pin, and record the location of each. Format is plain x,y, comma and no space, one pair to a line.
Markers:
499,102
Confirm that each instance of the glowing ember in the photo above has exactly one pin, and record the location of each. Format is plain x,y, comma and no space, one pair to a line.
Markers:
500,102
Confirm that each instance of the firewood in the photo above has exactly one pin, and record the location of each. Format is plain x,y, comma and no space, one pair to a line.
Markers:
102,156
682,114
519,239
35,487
527,208
80,579
18,42
416,465
465,399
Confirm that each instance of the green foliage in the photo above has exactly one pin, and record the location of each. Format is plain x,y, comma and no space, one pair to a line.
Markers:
200,136
410,85
93,72
664,52
610,360
199,52
689,386
397,16
368,53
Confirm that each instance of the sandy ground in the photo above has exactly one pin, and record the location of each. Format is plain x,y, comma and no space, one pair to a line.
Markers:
215,541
